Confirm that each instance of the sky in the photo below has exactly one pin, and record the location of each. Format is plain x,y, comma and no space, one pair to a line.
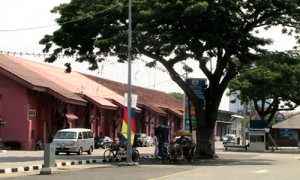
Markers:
23,14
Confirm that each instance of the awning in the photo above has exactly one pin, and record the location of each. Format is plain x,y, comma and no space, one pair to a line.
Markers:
71,116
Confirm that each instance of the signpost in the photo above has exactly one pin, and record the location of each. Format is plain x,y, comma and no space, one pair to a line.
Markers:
286,133
198,85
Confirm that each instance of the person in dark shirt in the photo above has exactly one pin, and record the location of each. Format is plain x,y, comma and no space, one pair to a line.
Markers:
185,144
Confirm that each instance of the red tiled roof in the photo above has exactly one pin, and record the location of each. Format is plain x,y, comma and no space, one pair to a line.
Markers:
15,69
68,85
153,99
77,87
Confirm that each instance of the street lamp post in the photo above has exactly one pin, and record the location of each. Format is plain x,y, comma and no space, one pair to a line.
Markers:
129,146
244,125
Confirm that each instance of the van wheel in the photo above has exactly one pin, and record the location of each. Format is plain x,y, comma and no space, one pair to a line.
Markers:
90,151
80,151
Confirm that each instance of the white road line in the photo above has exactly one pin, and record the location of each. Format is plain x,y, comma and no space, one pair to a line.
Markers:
261,171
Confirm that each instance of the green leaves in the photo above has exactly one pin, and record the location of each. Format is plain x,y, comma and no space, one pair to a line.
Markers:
275,76
172,31
196,9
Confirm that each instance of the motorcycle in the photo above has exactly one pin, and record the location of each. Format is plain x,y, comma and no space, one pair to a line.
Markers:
39,145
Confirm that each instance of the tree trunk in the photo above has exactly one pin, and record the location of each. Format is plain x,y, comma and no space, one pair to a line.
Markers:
205,133
206,115
205,144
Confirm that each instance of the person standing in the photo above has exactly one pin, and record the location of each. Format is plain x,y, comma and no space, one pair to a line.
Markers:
156,144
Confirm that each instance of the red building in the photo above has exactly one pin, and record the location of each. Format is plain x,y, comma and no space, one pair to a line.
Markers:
36,100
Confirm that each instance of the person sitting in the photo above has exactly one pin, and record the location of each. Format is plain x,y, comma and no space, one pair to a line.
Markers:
185,144
122,140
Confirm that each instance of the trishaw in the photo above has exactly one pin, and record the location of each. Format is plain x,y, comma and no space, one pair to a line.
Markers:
181,147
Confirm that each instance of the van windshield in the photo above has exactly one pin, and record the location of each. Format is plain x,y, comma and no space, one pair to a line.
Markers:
65,135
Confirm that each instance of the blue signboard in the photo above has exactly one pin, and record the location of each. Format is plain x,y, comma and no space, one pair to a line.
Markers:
198,85
286,133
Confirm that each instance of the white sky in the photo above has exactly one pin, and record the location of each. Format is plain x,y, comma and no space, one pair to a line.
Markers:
19,14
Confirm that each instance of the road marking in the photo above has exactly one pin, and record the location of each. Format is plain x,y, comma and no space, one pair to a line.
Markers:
261,171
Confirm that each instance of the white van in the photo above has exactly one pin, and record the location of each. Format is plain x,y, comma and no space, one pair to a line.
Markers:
74,140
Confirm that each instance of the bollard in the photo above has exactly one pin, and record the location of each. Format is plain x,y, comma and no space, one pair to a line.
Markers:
49,159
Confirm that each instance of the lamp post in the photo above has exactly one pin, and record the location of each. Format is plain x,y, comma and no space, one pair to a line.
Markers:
2,123
129,146
244,125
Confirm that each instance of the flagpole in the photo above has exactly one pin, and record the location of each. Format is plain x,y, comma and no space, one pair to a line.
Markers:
129,146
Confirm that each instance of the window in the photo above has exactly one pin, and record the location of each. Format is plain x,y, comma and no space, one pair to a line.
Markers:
65,135
85,135
31,113
257,138
90,134
79,135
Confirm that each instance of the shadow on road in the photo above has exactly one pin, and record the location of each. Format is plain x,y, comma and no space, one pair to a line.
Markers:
226,161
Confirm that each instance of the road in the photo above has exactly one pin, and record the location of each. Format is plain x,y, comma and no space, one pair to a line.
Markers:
230,165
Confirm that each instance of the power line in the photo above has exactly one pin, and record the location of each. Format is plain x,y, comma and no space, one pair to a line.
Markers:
68,22
65,56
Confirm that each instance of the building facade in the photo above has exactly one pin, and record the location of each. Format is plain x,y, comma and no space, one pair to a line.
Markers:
36,100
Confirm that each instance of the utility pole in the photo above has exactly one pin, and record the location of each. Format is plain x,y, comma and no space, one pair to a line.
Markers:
244,125
129,146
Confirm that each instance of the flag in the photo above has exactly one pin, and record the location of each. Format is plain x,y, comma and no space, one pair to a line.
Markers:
125,123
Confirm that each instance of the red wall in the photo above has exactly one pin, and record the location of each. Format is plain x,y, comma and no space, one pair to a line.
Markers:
13,109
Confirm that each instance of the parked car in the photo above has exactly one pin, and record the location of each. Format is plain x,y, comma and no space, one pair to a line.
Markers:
141,139
229,138
103,142
149,141
74,140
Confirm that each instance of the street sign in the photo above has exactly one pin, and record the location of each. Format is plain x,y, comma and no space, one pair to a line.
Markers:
198,85
286,133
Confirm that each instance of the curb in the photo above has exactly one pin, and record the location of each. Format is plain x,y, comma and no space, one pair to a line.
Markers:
58,164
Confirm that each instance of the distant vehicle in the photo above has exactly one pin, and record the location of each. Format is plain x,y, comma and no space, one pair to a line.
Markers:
229,138
149,141
103,142
74,140
141,139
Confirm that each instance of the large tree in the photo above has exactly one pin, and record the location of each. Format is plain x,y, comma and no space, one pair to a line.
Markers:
272,83
170,32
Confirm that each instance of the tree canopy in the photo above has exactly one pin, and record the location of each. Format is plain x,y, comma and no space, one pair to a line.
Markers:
170,32
177,95
272,83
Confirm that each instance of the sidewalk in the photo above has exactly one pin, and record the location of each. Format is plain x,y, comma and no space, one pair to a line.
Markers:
21,161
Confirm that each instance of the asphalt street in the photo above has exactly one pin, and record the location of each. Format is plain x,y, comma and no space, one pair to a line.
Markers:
230,165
